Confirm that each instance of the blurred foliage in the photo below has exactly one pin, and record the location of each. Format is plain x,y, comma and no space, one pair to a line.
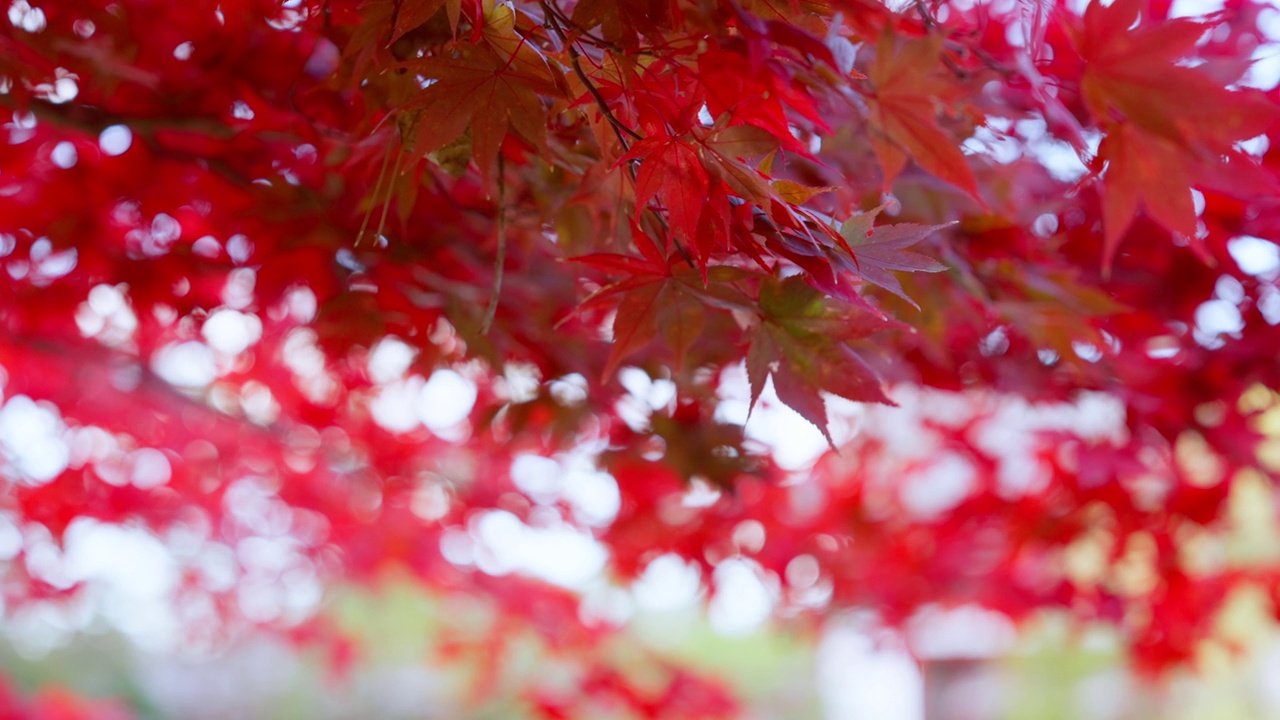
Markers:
416,657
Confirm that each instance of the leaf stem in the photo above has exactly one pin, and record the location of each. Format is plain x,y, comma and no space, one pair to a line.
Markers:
377,190
391,188
501,260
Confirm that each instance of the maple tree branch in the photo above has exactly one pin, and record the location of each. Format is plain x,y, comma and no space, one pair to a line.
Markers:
618,126
931,24
86,364
92,121
558,15
926,16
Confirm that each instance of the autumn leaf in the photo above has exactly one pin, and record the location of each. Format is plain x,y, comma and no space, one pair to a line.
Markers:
1134,73
802,343
661,297
880,251
665,306
795,193
1147,172
636,322
735,88
622,21
371,34
1169,126
724,152
909,96
409,15
521,58
671,172
474,86
742,141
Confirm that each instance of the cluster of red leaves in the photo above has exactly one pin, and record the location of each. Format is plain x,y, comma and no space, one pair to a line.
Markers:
541,193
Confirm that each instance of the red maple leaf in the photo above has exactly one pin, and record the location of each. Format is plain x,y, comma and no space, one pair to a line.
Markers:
909,98
1169,126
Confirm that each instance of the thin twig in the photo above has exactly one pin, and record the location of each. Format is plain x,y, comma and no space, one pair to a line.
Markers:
620,129
931,23
391,188
377,190
501,260
88,119
554,10
617,124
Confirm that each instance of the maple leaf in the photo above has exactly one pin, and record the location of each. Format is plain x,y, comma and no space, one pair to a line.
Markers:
724,151
905,109
471,89
742,141
622,22
1169,126
795,193
488,87
636,322
370,35
522,57
802,342
671,172
1148,172
753,91
1133,72
409,15
880,251
662,296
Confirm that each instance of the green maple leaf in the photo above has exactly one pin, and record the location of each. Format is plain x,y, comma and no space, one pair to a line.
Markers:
802,342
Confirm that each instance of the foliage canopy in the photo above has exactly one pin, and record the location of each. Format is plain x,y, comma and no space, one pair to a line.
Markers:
250,248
